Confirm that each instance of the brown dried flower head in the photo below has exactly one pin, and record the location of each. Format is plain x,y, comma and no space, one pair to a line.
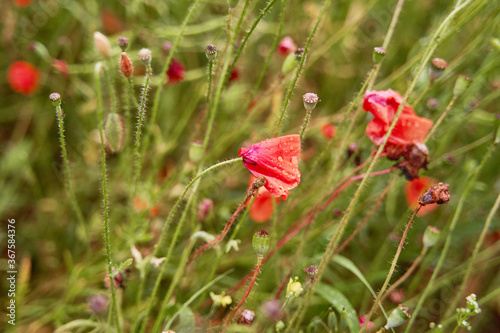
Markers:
246,318
437,194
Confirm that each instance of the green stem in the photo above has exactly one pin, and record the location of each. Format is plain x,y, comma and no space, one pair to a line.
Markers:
140,123
286,101
112,95
441,117
391,270
247,35
297,318
304,125
424,92
106,230
210,74
473,258
67,175
468,186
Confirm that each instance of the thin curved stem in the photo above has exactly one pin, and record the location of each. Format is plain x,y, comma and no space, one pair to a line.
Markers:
440,119
105,206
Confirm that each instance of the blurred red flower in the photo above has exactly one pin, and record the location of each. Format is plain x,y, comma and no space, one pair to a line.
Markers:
262,207
111,24
286,46
235,75
175,72
328,131
23,77
22,3
414,189
276,159
410,128
61,66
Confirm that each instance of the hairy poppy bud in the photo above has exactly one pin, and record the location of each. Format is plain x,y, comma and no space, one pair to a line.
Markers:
289,64
102,44
310,101
211,52
398,316
461,85
204,209
126,66
55,98
431,236
123,43
246,318
144,56
260,242
196,152
114,130
378,54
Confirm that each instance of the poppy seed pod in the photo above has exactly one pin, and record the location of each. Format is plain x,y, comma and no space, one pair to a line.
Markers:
55,98
260,243
144,56
378,54
211,52
310,101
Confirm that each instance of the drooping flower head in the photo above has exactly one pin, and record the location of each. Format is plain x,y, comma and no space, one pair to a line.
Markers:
410,128
277,160
23,77
175,72
414,189
262,207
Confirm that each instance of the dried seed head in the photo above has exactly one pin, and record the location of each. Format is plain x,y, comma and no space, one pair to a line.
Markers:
461,84
55,98
310,101
378,54
144,56
126,66
260,242
438,194
437,68
416,157
431,236
211,52
123,43
246,318
102,44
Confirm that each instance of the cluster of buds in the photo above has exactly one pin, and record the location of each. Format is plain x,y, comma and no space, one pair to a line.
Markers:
437,194
463,314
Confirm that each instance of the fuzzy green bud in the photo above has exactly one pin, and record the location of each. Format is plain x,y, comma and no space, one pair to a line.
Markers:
260,242
461,85
378,54
431,236
289,64
114,130
196,152
496,43
398,316
55,98
280,325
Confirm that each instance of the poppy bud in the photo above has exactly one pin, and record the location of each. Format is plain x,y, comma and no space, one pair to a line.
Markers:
279,326
437,68
114,130
436,194
123,43
260,243
328,131
144,56
431,236
126,66
165,48
461,85
204,209
232,3
246,318
289,64
211,52
286,46
196,152
310,101
102,44
378,54
398,316
55,98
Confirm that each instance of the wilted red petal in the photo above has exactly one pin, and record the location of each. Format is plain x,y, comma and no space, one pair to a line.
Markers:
277,160
410,128
235,75
175,72
23,77
286,46
414,189
328,131
262,207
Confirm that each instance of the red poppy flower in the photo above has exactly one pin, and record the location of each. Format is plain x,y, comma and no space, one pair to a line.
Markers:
414,189
410,128
111,24
328,131
262,207
235,75
277,160
22,3
286,46
175,72
61,66
23,77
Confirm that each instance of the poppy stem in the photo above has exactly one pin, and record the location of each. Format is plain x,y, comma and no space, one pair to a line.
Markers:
305,123
249,289
391,270
105,205
440,119
250,193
